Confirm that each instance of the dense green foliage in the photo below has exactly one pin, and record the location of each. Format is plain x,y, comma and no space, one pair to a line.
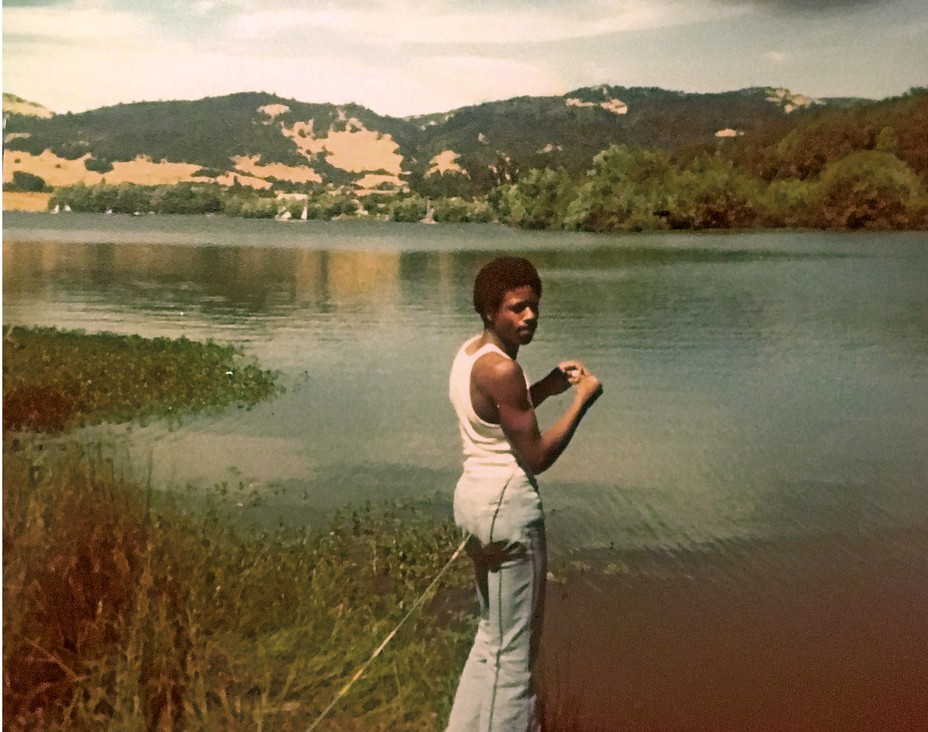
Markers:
634,190
124,610
26,183
57,379
209,198
826,135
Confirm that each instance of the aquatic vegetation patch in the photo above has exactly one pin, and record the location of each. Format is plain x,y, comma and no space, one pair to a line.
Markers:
54,380
124,609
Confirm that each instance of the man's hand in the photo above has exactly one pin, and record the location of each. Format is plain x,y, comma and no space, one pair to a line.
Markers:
588,387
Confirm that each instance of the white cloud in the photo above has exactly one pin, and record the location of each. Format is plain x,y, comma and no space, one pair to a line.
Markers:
403,57
468,79
80,23
444,23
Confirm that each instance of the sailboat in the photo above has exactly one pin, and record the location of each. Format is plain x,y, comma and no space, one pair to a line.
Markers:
57,208
305,215
429,214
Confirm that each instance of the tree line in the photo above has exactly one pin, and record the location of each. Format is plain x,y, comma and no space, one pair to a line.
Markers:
635,190
627,189
246,202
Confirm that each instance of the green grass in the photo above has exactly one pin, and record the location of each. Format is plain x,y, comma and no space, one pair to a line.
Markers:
128,609
123,610
55,380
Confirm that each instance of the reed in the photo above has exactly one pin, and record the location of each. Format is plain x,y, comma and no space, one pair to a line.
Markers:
125,609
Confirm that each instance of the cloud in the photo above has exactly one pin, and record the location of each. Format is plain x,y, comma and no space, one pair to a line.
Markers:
809,6
403,57
33,3
452,22
73,23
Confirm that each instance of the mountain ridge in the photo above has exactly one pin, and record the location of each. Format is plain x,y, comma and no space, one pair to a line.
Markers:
263,140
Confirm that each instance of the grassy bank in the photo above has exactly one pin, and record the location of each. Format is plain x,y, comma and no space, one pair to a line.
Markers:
122,610
55,380
126,608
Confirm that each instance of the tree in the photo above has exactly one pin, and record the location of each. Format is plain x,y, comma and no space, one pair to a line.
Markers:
627,190
870,189
711,194
26,183
538,201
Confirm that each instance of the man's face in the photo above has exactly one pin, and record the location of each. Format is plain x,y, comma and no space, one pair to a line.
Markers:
517,317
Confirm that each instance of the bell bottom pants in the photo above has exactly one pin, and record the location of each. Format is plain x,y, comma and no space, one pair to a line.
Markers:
497,692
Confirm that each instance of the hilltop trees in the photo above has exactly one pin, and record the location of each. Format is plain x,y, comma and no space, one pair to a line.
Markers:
844,166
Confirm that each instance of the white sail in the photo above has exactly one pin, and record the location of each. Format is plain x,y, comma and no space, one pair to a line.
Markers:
429,215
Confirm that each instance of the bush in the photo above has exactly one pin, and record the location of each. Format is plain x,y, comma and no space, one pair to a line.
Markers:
26,183
539,200
98,165
711,194
870,189
626,190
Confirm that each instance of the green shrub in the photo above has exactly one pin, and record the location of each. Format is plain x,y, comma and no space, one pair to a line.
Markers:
54,380
26,183
870,189
98,165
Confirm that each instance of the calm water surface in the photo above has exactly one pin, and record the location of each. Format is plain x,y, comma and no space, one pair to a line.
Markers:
754,480
759,386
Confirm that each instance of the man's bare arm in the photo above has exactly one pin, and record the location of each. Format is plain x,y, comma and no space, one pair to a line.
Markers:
557,381
504,382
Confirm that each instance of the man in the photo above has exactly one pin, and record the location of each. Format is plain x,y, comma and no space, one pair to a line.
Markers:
496,500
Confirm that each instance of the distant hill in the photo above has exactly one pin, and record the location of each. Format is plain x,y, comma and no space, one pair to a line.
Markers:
13,104
263,140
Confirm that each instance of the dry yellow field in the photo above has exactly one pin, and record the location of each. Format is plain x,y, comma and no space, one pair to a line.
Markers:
251,165
15,201
445,161
58,171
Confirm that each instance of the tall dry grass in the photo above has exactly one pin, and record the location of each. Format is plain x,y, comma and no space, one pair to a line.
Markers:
124,610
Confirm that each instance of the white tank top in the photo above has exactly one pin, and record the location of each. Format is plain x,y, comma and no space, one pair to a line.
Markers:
485,444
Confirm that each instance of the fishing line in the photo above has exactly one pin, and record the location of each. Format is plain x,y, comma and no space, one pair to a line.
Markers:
360,672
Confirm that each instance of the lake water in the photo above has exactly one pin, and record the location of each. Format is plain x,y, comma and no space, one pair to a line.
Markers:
763,424
757,385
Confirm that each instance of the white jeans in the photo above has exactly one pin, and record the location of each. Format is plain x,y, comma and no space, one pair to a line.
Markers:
496,692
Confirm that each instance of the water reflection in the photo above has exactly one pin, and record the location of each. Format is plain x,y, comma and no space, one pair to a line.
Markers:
757,385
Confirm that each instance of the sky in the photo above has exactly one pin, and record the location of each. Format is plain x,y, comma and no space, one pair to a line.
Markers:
401,58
